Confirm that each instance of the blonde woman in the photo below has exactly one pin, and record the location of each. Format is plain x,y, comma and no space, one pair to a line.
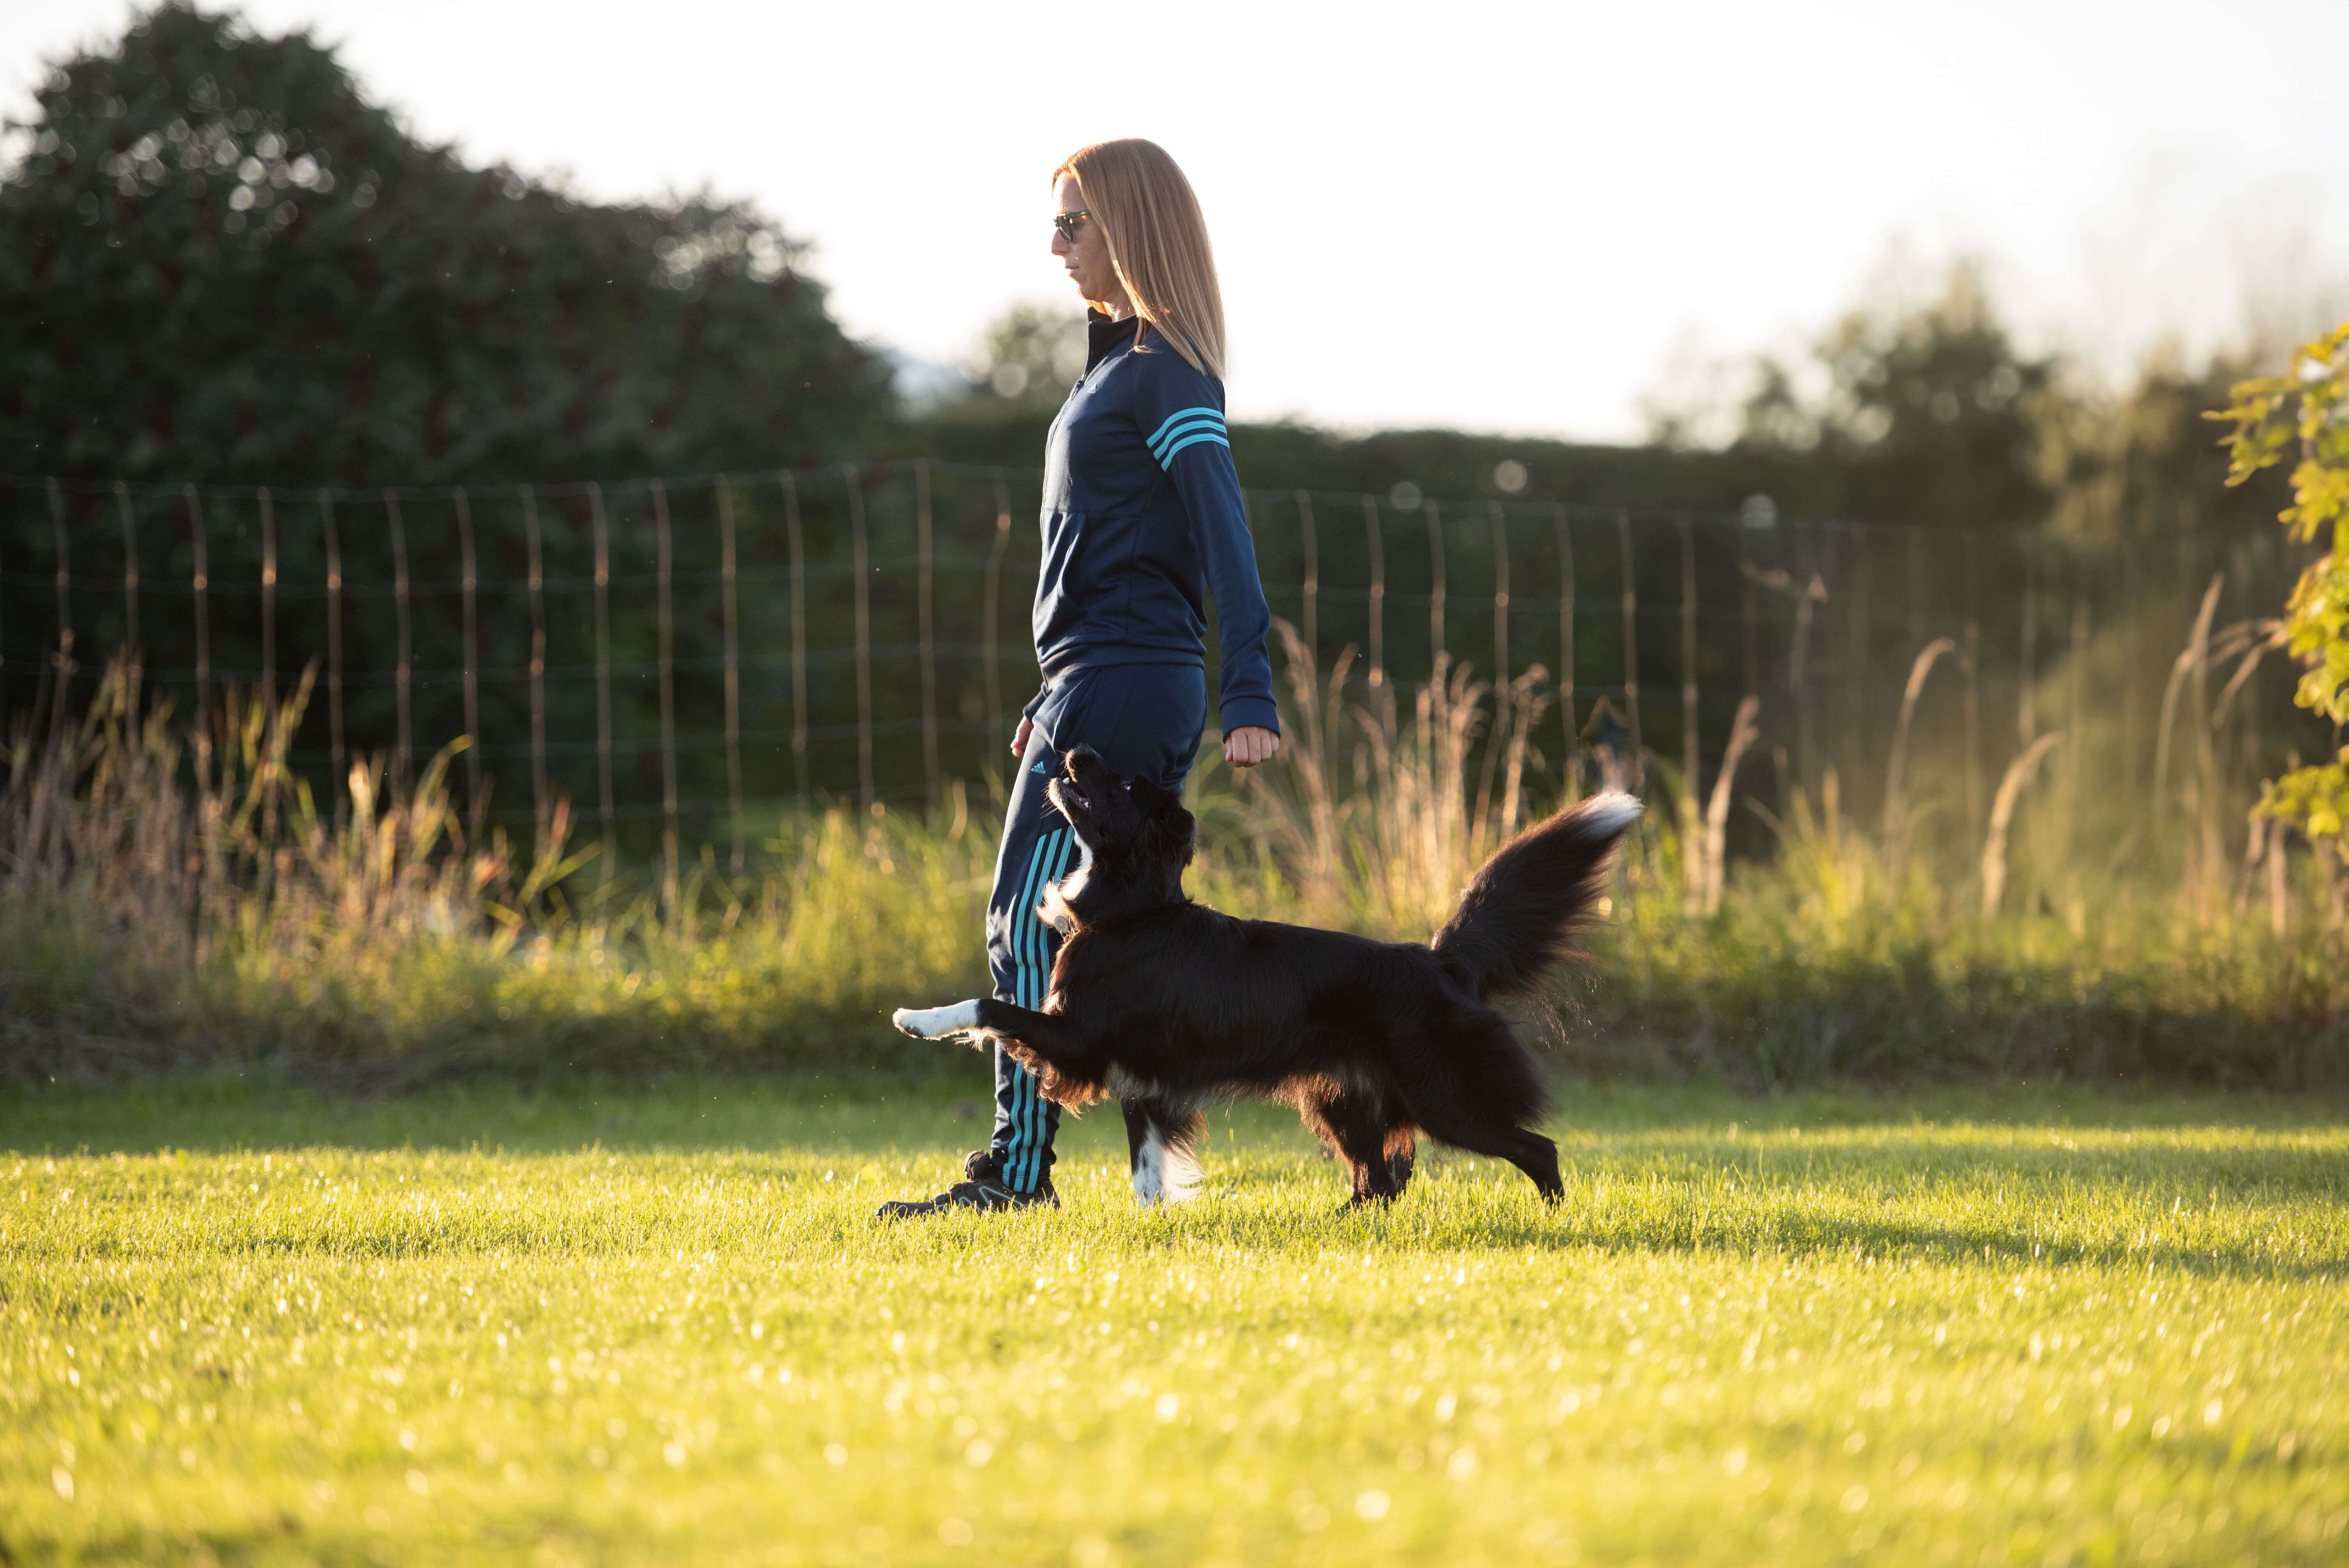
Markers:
1142,524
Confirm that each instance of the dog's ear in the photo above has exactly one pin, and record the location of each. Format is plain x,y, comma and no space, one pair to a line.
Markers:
1173,823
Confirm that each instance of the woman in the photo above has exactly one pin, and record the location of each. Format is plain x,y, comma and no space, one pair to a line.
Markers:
1142,522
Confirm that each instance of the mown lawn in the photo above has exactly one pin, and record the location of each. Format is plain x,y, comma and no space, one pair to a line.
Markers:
241,1323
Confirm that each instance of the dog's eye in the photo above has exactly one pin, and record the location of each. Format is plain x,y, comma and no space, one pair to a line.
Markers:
1126,784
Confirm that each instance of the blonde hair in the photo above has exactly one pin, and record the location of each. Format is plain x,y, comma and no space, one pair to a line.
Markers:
1157,243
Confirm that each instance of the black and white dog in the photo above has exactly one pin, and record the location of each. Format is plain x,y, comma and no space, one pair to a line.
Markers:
1168,1005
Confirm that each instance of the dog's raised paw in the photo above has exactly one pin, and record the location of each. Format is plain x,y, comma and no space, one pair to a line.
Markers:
930,1023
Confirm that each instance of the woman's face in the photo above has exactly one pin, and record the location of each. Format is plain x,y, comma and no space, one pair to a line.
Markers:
1086,257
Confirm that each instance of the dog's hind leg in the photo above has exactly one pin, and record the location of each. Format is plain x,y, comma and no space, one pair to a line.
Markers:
1402,1155
1526,1150
1163,1150
1354,1125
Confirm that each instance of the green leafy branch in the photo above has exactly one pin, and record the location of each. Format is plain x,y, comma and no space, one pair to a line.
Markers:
2306,409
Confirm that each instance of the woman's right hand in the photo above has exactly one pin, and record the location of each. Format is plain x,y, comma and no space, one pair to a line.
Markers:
1019,741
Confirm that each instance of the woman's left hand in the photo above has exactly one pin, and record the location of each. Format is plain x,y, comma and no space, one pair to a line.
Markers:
1247,746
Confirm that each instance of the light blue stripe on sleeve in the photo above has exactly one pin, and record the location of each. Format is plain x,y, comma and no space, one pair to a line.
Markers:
1178,417
1215,436
1165,443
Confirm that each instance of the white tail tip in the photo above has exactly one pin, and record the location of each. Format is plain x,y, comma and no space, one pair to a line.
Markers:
1610,811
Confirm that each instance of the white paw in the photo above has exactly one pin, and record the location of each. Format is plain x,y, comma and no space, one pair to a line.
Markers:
932,1023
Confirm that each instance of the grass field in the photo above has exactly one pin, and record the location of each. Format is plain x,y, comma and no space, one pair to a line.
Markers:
2024,1325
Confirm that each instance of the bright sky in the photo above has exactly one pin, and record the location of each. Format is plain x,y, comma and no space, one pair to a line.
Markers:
1513,217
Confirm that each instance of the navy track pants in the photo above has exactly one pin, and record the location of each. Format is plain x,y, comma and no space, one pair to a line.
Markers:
1144,720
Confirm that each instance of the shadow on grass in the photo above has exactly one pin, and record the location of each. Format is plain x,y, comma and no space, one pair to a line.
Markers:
861,1108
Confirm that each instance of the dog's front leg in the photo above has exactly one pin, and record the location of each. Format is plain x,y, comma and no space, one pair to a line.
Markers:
1049,1035
938,1023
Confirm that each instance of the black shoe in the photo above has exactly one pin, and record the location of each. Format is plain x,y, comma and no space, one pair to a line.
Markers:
985,1191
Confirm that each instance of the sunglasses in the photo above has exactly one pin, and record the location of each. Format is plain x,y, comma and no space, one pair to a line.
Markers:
1067,224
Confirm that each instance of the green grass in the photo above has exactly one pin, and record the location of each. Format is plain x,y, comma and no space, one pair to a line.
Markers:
242,1323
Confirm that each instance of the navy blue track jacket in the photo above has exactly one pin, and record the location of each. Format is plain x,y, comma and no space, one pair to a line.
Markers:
1142,519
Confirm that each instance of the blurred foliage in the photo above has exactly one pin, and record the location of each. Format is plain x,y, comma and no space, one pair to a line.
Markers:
1920,411
1027,358
2305,411
220,262
1923,416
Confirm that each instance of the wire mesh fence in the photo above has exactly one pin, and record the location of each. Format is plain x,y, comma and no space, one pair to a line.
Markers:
685,658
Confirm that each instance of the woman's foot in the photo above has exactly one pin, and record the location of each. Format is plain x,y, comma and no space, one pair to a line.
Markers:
983,1188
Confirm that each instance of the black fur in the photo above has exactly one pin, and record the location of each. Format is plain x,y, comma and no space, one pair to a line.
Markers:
1168,1003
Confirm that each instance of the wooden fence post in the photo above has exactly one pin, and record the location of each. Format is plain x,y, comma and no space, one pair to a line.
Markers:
268,508
862,602
603,533
666,632
1639,759
535,547
1312,577
799,633
1435,598
130,570
990,611
65,607
1691,758
924,563
726,562
1570,760
341,763
468,587
403,748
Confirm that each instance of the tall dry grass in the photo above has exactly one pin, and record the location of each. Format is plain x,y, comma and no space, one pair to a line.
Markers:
172,896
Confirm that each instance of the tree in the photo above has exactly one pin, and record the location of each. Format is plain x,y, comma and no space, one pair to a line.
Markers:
1921,415
220,262
2305,412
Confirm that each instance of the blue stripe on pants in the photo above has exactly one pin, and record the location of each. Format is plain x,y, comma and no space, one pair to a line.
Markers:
1025,1120
1142,718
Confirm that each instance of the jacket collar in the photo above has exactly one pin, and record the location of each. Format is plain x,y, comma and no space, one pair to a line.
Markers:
1104,336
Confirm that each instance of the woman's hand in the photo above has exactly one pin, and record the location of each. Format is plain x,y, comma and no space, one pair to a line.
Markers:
1019,741
1247,746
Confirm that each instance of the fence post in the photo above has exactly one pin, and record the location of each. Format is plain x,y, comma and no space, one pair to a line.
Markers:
65,608
923,564
863,608
604,675
1504,705
1378,593
1690,758
1749,610
1973,692
268,506
1568,760
1918,626
733,671
666,630
537,583
402,749
990,609
468,587
1312,577
130,569
1435,598
2076,711
1859,629
799,633
2026,716
335,655
1639,769
199,584
1500,596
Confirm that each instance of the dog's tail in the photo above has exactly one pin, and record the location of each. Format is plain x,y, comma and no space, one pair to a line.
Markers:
1517,917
